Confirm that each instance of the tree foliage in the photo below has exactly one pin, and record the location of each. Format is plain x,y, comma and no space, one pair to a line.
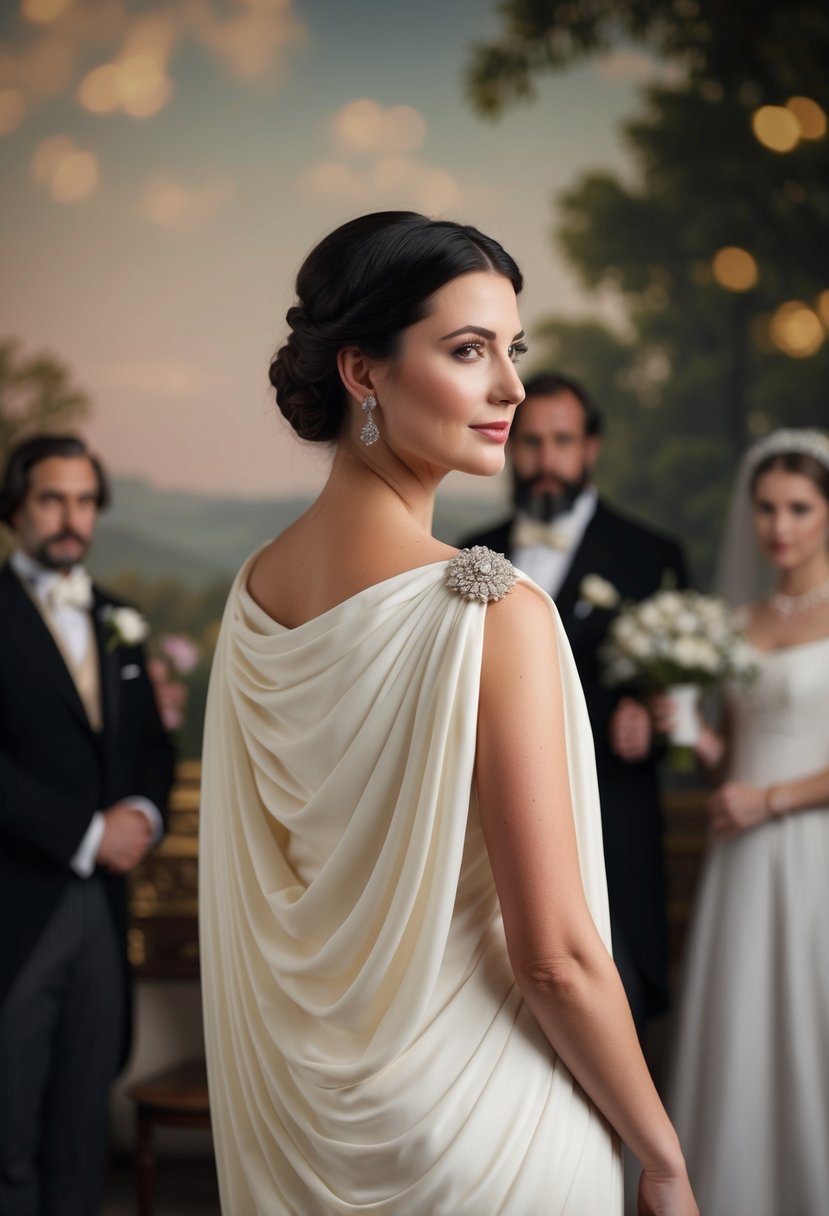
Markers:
741,45
36,394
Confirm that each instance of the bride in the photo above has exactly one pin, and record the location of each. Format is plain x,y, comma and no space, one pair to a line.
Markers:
749,1090
410,1007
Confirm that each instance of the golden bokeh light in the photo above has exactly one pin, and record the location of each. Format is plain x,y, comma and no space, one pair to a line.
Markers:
776,128
734,269
12,109
75,178
49,154
811,117
796,330
143,85
69,173
167,203
405,128
822,306
42,12
99,90
359,125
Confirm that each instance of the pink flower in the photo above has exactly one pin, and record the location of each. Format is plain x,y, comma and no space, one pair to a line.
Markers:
182,652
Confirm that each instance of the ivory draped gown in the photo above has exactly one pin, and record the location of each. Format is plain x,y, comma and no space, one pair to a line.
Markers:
368,1049
749,1091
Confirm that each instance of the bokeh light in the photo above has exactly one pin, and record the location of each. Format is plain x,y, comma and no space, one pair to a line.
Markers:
99,90
822,306
75,177
12,109
796,330
811,118
405,128
42,12
69,173
734,269
48,155
359,125
776,128
143,85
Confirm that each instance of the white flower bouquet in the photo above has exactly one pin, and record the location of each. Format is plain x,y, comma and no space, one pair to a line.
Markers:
680,642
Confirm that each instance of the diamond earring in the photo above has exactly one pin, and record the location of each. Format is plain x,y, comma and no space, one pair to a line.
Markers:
370,432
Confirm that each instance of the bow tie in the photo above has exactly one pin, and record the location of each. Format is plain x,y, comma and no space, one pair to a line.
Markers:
528,532
73,590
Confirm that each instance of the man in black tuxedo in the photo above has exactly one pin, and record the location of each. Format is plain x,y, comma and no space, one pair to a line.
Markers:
85,771
560,534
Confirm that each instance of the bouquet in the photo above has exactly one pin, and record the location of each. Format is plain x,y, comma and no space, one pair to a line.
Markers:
680,642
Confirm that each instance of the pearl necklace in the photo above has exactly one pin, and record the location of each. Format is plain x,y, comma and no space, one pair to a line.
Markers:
788,604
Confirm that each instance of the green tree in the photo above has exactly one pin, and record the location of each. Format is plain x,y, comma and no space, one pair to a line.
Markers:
36,394
703,367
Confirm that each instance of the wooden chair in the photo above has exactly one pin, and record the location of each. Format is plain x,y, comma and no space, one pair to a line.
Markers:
176,1097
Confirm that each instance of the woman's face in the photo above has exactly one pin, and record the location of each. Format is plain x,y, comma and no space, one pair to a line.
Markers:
791,518
447,399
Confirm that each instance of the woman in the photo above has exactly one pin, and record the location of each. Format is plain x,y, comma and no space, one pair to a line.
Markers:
409,1004
750,1086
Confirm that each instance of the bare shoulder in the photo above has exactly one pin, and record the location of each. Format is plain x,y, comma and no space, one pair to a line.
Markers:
520,630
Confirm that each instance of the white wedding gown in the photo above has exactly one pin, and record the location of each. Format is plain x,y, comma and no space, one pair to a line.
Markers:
368,1049
749,1091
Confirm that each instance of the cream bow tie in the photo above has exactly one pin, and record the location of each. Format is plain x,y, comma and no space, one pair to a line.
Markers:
528,532
73,590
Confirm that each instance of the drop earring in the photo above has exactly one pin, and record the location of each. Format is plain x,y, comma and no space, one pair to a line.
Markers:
370,432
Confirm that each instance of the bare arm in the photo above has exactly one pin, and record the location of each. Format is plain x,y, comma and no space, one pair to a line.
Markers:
561,965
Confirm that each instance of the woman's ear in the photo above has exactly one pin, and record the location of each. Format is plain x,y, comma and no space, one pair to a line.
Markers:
355,372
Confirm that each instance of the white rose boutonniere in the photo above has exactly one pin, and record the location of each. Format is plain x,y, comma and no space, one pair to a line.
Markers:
127,627
595,592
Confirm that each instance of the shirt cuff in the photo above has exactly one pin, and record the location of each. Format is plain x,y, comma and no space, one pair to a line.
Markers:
83,859
153,814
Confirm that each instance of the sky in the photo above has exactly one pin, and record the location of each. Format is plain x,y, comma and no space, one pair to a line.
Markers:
165,167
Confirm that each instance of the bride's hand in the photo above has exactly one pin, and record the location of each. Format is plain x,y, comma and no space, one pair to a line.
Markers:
735,807
666,1195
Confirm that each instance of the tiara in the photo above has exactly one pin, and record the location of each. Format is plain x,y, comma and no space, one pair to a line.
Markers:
804,441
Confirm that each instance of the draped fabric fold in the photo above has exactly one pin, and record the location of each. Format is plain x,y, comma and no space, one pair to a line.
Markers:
368,1049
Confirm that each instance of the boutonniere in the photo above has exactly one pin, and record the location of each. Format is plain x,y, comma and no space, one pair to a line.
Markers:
126,626
595,592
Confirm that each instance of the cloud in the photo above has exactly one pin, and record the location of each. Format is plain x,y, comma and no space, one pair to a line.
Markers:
170,203
373,163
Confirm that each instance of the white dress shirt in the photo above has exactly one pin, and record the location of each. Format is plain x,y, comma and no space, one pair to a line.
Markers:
547,565
73,625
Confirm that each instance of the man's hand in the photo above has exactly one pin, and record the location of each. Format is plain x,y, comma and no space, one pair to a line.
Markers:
126,839
630,730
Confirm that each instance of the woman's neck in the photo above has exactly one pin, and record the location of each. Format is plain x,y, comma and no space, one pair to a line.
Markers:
805,577
382,486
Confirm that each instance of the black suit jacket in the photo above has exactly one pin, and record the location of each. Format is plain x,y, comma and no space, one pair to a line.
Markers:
635,560
55,771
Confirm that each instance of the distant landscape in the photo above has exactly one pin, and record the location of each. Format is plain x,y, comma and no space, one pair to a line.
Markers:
197,539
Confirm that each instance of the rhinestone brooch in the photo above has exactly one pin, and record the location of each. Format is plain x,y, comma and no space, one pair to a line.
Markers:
481,574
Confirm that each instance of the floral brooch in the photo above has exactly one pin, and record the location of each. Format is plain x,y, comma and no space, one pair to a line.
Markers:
481,574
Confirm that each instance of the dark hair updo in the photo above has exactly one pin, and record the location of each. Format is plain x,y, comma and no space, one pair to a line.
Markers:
362,286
